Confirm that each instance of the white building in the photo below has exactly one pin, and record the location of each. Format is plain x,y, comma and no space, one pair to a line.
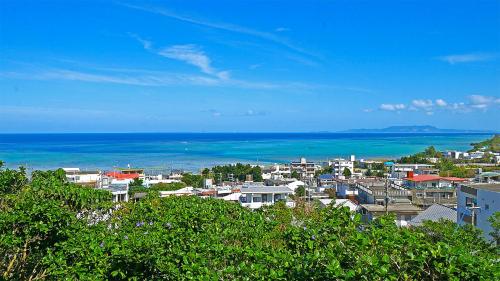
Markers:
339,165
255,197
399,171
305,169
119,192
276,172
476,203
90,178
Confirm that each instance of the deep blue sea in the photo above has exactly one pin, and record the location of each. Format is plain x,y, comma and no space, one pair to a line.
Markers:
192,151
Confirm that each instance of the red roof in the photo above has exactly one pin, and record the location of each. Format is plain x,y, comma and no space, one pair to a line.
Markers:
120,176
453,179
422,178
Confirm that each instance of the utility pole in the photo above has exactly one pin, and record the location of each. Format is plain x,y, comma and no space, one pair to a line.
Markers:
386,197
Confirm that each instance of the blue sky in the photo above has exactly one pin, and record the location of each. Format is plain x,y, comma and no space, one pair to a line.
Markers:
248,66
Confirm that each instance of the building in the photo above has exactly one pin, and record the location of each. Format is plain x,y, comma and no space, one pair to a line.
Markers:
276,172
399,171
430,189
87,178
488,177
435,212
305,169
476,203
255,197
339,165
119,192
404,212
326,179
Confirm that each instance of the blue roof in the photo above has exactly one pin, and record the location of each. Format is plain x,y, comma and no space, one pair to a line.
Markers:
326,177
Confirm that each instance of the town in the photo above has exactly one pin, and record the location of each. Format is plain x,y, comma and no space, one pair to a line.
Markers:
461,186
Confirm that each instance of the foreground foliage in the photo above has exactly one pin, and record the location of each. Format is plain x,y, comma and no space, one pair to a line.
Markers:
54,230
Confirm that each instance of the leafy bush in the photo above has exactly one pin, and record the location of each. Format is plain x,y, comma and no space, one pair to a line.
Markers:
55,230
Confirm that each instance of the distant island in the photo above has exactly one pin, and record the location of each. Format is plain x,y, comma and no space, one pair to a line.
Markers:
414,129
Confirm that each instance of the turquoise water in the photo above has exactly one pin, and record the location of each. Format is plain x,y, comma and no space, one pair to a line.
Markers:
194,151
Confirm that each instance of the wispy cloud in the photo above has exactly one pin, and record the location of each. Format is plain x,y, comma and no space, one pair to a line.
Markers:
282,29
221,26
429,107
114,78
464,58
194,55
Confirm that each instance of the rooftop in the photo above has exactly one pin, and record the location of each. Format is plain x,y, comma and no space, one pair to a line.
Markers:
391,208
266,189
423,178
434,213
486,186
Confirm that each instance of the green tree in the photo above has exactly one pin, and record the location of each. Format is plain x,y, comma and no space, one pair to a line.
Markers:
495,224
137,182
300,191
192,180
295,175
347,173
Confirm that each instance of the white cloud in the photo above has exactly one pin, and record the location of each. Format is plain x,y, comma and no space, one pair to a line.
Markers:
145,43
479,99
392,107
282,29
190,54
464,58
441,103
423,104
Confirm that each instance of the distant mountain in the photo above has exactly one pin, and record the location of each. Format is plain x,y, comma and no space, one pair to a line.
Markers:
413,129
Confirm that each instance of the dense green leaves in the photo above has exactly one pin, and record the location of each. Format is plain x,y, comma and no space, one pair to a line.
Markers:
59,231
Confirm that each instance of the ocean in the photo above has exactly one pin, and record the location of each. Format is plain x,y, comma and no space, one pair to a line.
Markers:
192,151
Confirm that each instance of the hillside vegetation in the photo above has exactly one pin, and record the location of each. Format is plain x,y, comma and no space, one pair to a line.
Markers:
492,144
51,229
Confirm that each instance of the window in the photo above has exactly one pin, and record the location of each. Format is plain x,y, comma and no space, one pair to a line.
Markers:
257,199
469,201
486,207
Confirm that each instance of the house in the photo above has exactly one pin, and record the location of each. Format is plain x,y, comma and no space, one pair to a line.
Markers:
255,197
87,178
404,212
305,169
399,171
119,192
337,203
476,203
121,178
435,212
430,189
326,179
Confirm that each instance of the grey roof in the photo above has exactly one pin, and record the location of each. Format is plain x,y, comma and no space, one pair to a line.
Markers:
434,213
266,189
391,208
486,186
